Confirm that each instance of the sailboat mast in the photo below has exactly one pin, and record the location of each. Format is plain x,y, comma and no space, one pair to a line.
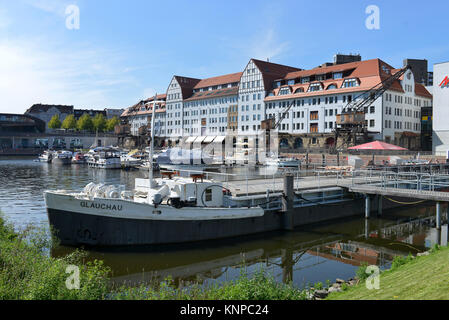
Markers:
153,117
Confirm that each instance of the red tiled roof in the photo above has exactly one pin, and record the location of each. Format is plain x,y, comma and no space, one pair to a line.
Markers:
420,90
210,94
369,74
272,71
215,81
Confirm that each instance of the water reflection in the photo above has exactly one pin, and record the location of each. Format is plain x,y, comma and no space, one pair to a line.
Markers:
319,254
308,255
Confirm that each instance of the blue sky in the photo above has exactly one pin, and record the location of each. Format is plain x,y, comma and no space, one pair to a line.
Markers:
128,50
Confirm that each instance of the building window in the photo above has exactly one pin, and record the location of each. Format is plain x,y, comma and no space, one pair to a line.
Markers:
350,83
314,115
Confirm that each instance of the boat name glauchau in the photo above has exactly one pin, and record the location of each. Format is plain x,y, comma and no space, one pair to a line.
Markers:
102,206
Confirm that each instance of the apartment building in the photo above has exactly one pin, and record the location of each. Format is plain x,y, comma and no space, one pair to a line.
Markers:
255,83
237,103
139,116
316,97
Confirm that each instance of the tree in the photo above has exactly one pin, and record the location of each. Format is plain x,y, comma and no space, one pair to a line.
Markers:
111,123
99,122
54,123
85,123
69,122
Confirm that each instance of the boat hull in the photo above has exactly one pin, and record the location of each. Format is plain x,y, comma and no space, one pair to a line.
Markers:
62,161
116,222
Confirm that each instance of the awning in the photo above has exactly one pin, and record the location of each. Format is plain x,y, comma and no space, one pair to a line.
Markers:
209,139
190,139
376,145
219,139
199,139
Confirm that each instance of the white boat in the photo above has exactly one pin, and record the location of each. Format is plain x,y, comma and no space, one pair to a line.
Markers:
62,157
104,158
129,159
159,211
184,159
283,162
46,156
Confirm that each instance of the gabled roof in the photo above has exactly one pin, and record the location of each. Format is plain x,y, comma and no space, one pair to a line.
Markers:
270,68
272,71
38,108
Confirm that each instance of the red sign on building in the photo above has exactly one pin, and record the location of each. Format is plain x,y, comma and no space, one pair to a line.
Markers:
445,82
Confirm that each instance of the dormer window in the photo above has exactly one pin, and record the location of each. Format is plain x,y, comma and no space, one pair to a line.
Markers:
315,87
321,77
331,87
305,80
350,83
291,82
299,90
284,91
385,69
277,84
338,75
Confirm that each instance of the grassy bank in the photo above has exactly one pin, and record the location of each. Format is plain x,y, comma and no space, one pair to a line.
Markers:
420,278
27,272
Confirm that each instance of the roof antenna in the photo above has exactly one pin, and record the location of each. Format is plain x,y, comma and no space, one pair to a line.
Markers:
268,59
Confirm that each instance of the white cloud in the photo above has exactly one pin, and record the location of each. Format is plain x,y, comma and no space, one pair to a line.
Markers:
38,72
51,6
267,45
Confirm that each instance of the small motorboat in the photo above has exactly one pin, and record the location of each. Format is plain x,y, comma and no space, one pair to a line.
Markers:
79,158
283,162
46,157
62,157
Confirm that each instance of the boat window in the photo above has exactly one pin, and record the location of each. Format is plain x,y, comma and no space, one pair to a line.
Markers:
208,194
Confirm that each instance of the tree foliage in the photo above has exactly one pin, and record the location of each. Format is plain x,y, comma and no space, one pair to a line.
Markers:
85,123
55,123
99,123
69,122
111,123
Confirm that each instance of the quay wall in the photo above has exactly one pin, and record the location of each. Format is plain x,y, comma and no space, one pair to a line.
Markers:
328,212
34,143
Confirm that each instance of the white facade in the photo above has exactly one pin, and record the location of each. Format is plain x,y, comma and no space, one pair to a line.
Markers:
174,107
440,136
251,97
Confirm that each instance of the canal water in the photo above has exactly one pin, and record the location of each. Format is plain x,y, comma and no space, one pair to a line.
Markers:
308,255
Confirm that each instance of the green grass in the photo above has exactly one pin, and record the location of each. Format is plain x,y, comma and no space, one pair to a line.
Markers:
421,278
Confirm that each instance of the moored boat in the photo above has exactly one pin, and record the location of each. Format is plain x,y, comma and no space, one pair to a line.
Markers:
104,158
79,158
46,156
62,157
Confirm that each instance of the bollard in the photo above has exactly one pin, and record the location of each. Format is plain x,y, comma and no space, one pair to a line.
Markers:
438,217
379,205
367,206
287,202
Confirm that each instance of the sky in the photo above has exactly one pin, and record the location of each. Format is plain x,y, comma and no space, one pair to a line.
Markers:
125,51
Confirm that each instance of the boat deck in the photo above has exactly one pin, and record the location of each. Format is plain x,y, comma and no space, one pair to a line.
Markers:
256,187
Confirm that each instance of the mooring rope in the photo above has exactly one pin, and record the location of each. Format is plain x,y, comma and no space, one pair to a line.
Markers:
405,203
